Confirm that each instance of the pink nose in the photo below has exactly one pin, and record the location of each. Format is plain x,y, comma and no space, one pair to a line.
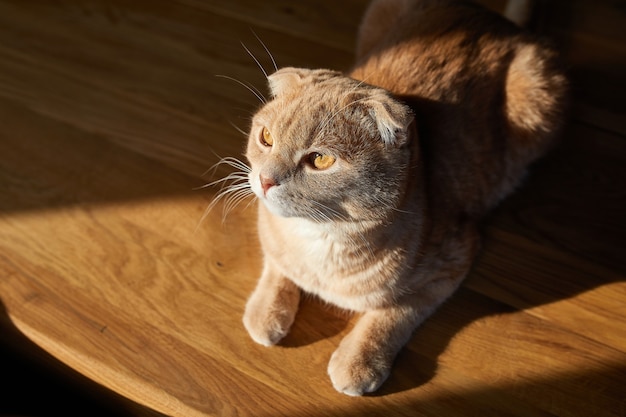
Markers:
266,183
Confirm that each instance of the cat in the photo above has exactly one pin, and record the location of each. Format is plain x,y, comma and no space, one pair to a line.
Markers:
371,184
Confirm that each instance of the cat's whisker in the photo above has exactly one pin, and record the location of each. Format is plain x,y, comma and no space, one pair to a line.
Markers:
238,129
232,176
238,163
352,90
233,194
386,205
221,161
233,188
235,200
402,211
320,217
231,161
330,210
252,200
249,87
361,82
227,182
317,215
235,176
266,50
255,60
235,185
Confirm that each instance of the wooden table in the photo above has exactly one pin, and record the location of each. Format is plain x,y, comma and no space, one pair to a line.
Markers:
111,112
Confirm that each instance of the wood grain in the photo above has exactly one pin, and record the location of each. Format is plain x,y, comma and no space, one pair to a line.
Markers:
111,112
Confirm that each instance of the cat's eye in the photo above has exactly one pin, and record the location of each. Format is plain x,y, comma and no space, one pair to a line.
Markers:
321,161
266,137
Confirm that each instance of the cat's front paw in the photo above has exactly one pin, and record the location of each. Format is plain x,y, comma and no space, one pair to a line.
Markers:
268,319
355,369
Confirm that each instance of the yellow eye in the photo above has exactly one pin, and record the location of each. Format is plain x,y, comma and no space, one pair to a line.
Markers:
266,137
320,161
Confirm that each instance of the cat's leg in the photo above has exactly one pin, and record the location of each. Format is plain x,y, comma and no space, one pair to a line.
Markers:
364,358
272,307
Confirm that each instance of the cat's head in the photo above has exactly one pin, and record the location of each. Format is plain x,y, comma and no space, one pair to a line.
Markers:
329,147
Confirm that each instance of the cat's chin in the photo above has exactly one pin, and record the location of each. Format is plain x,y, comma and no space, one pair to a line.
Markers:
276,209
285,213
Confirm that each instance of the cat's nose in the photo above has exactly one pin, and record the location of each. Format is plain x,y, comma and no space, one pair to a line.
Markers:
266,183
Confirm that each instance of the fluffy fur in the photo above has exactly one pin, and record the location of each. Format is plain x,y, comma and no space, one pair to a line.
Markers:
437,122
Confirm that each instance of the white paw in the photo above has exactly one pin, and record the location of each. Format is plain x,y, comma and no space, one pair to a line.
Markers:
268,320
353,372
266,331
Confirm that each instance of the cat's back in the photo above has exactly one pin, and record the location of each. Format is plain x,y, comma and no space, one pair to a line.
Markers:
488,97
434,49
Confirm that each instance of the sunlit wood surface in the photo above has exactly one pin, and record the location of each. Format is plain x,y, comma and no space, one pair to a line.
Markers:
112,111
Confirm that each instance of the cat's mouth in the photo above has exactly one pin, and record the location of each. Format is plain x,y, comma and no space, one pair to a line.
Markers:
274,206
276,203
315,211
268,192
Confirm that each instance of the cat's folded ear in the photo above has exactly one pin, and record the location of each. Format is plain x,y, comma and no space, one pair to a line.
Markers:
285,79
290,79
393,119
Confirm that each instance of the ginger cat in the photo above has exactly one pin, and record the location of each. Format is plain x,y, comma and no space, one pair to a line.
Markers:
371,184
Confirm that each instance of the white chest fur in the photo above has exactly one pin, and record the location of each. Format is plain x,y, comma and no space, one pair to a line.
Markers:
337,262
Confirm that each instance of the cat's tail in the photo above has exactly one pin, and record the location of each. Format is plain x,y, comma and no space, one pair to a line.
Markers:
536,96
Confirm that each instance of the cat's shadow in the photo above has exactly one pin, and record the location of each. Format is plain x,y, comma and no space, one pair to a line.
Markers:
315,321
416,364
